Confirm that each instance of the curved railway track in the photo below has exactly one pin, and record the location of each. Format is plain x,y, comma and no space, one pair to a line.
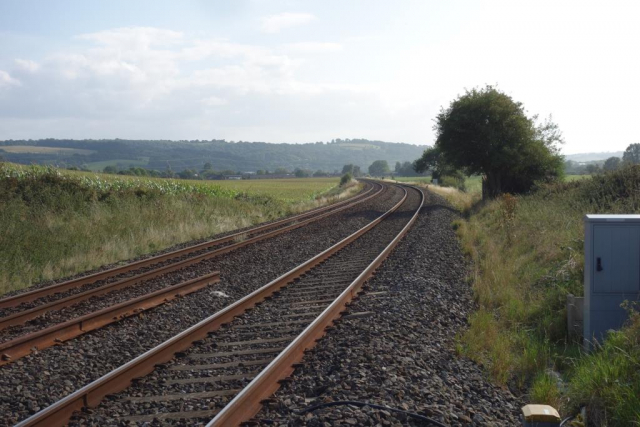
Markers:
51,315
229,362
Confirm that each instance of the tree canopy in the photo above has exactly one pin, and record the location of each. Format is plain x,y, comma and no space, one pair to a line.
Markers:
485,132
611,164
632,154
379,168
354,170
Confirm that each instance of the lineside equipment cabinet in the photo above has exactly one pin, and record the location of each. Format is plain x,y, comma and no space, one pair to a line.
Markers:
611,272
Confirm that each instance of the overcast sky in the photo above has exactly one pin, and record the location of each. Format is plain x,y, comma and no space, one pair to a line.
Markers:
302,71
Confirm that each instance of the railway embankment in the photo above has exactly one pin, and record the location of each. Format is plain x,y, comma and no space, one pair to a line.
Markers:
528,254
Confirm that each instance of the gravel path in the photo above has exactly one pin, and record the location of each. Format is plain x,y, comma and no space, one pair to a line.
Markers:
34,382
402,354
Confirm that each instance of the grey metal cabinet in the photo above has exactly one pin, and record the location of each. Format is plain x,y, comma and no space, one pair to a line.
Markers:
611,273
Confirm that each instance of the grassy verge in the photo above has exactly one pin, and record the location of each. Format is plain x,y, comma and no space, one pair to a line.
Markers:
55,223
528,255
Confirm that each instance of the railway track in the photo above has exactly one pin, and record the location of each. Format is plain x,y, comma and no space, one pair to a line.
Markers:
37,319
229,362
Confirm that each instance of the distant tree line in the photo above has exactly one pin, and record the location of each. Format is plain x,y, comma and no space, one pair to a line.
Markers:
237,156
631,156
208,172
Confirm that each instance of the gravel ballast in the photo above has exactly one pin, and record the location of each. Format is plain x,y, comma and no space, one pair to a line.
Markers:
400,352
185,378
34,382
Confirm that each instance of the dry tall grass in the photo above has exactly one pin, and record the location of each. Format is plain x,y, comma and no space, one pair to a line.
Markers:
55,226
528,255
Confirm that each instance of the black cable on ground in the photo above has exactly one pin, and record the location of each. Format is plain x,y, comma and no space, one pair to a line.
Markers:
372,405
564,422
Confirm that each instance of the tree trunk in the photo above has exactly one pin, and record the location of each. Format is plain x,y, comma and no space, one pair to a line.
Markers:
491,186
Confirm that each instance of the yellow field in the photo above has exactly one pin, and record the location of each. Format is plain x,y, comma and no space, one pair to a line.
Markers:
31,149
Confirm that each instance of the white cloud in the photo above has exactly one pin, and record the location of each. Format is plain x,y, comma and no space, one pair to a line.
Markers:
124,83
6,80
27,65
127,73
313,47
214,101
134,37
275,23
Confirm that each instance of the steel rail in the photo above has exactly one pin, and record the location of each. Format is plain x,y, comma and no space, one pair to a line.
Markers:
23,316
39,340
248,402
18,299
90,395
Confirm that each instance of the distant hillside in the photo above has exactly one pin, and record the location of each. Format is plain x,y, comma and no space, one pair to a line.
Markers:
589,157
180,155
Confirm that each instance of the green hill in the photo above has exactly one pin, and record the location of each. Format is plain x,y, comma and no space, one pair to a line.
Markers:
223,155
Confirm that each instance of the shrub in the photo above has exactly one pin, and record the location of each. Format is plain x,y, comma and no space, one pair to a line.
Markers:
346,178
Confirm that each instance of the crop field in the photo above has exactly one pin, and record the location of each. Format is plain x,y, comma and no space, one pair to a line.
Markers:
292,190
32,149
57,222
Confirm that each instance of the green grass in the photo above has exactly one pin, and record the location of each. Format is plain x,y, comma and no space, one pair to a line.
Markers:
528,255
286,189
472,184
420,179
56,223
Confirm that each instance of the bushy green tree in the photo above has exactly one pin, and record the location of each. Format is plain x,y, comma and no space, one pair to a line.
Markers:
612,163
632,154
281,171
301,173
592,168
354,170
379,168
485,132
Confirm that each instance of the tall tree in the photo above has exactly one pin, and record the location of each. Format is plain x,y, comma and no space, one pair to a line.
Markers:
379,168
632,154
354,170
611,164
485,132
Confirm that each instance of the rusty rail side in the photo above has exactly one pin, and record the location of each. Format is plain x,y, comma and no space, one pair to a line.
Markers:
15,300
59,413
39,340
23,316
248,402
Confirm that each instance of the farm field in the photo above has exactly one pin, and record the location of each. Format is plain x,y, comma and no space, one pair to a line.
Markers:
290,189
43,150
58,222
